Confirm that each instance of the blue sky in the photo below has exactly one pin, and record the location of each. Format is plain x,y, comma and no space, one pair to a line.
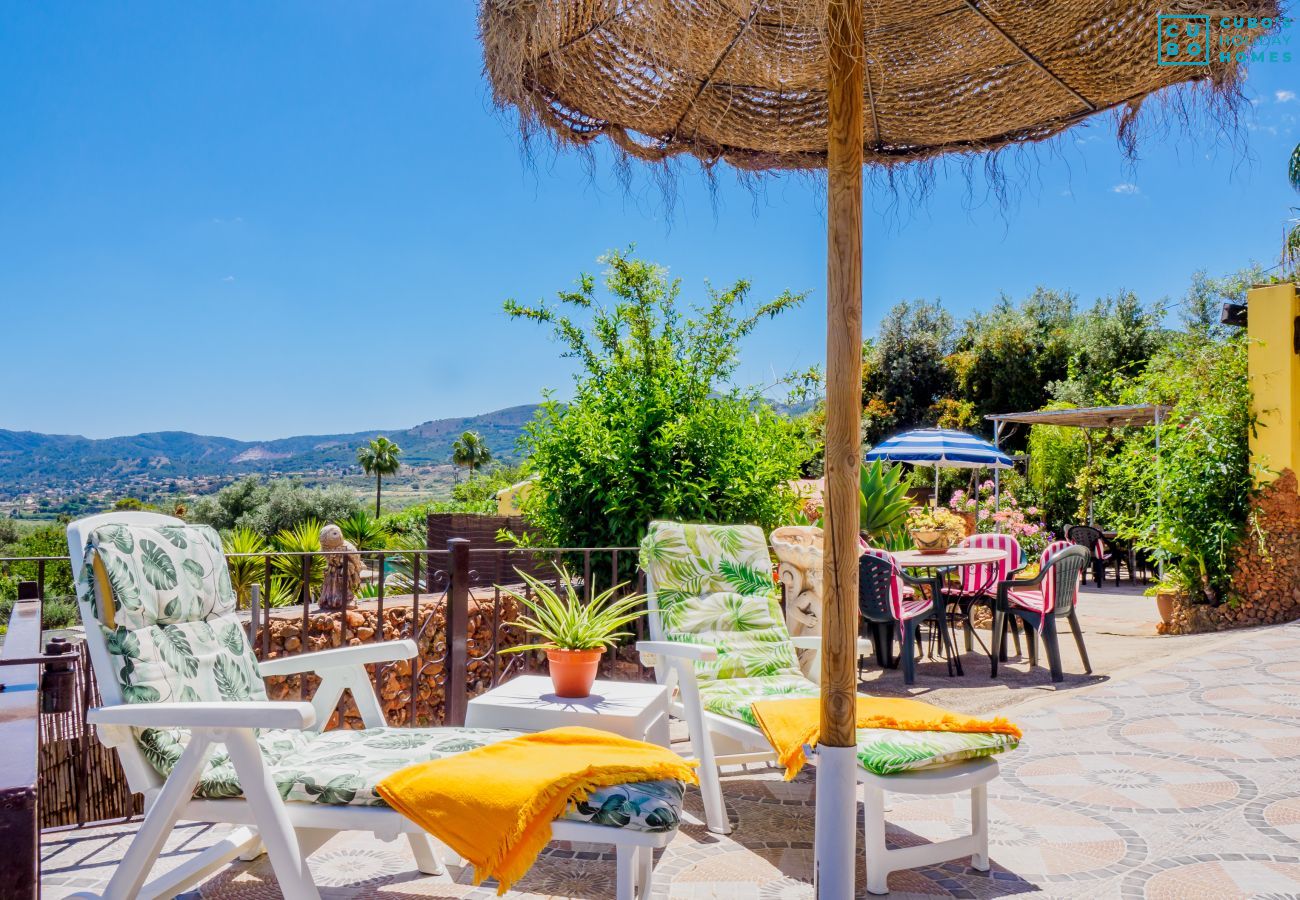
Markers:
260,220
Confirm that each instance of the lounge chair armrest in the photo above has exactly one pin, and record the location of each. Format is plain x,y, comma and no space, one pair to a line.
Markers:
814,642
694,652
222,714
319,660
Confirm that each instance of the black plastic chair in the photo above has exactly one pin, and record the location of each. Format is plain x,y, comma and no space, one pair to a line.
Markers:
1091,538
875,578
1065,569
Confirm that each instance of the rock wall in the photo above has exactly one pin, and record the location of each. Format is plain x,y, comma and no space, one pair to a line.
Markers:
326,630
1266,581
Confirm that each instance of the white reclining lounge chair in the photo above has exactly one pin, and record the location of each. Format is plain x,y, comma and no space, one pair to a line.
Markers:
719,639
185,706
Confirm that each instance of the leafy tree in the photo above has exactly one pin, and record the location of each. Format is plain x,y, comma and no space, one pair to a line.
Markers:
1005,358
1112,341
271,507
655,428
470,451
904,372
1205,298
483,486
379,458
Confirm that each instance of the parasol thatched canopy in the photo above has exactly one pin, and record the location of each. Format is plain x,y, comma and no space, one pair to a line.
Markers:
745,80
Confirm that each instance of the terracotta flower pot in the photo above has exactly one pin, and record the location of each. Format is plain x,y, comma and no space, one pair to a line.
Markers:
573,671
1165,606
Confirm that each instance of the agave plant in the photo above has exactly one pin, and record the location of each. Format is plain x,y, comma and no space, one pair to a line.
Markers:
245,571
302,538
566,623
882,499
363,531
283,592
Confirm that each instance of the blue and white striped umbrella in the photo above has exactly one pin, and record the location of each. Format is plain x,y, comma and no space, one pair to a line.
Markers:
942,448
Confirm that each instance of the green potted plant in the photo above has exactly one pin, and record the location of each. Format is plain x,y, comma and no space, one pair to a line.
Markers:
935,530
574,634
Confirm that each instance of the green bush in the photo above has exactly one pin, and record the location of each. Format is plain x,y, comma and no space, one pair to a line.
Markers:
654,429
271,507
1192,506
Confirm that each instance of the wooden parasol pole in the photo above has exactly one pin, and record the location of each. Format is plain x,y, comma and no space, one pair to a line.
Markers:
836,827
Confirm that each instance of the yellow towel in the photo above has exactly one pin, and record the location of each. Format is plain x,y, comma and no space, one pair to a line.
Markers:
790,723
494,805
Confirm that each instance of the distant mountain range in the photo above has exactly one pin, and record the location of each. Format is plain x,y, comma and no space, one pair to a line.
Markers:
33,462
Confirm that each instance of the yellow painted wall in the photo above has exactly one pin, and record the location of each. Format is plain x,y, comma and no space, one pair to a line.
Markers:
1275,376
510,500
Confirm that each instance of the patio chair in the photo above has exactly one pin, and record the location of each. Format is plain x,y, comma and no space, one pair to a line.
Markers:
978,584
1041,602
1092,538
186,709
719,643
888,603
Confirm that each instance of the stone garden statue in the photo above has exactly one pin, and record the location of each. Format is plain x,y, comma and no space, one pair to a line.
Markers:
342,569
798,551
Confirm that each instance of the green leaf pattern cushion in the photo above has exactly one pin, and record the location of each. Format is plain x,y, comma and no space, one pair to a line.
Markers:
176,639
734,697
886,751
713,586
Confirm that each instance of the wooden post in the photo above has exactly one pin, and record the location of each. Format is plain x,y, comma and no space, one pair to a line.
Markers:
843,374
835,817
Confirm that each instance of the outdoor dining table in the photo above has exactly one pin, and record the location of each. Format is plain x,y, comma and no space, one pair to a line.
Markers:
957,557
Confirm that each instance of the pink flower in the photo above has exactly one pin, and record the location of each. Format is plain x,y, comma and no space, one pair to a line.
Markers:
987,485
1032,510
984,514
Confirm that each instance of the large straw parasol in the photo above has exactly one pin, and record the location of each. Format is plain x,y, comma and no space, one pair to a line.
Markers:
826,84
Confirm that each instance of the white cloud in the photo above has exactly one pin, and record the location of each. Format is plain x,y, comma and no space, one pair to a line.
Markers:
1126,187
228,278
1284,96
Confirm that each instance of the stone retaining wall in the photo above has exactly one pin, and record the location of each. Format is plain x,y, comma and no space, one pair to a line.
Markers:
326,630
1266,581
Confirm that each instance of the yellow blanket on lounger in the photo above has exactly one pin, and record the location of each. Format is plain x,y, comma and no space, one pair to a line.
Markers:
791,723
494,805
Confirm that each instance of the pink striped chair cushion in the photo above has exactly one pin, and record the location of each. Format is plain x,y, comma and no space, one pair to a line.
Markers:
1042,599
903,603
975,580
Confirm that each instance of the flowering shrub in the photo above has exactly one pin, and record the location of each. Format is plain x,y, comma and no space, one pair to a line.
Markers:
922,518
1021,522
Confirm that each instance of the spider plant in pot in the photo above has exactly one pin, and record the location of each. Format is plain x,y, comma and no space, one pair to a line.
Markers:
574,634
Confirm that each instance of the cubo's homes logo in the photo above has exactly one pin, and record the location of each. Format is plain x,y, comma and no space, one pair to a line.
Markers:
1198,40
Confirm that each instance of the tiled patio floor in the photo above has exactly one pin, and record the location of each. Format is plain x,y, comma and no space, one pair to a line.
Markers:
1177,779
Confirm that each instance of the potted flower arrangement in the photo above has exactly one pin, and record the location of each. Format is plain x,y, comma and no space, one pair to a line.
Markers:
935,530
574,634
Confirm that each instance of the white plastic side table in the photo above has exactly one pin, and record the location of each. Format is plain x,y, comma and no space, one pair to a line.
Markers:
633,709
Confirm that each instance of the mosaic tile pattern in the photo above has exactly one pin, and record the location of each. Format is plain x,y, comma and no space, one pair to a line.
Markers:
1181,780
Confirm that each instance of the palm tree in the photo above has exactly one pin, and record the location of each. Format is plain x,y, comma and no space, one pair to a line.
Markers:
470,451
379,458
